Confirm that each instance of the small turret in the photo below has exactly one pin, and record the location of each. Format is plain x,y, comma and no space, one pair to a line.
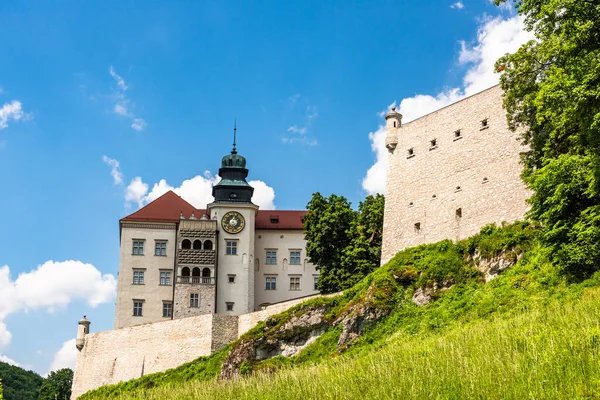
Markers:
83,329
393,121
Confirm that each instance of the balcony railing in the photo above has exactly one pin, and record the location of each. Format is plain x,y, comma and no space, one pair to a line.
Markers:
196,280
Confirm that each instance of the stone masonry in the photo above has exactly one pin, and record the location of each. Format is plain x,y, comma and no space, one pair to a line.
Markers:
450,173
122,354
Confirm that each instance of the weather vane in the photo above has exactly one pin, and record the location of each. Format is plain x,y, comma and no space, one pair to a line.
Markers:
234,136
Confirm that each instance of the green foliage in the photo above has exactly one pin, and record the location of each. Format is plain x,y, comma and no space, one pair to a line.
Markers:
529,333
57,386
344,244
19,384
1,390
552,92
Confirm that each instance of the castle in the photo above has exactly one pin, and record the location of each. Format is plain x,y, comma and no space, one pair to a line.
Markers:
231,258
449,173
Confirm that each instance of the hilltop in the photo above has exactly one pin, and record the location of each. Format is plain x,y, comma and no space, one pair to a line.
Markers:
489,316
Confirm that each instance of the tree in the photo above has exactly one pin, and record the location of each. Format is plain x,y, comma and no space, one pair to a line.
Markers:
552,93
19,384
344,245
57,385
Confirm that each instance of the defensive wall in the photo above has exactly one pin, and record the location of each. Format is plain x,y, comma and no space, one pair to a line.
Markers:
450,173
127,353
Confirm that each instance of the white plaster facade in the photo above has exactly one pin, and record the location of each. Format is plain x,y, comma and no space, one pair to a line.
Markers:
151,293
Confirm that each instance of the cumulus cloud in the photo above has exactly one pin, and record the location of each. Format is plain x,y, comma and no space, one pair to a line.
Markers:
65,357
115,170
197,191
495,37
50,286
459,5
8,360
123,104
12,111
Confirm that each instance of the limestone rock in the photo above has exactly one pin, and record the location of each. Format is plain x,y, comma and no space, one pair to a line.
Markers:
492,267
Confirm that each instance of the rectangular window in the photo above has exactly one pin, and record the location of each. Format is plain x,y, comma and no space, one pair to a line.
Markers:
271,257
194,300
138,277
167,309
315,282
138,247
137,308
165,277
160,248
295,257
294,283
229,306
231,278
231,248
270,283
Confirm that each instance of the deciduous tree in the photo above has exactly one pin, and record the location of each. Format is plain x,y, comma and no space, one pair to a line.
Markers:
552,92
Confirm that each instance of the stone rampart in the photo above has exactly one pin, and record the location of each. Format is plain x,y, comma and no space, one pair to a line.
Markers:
122,354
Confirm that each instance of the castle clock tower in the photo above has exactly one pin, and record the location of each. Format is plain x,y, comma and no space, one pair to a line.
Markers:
235,215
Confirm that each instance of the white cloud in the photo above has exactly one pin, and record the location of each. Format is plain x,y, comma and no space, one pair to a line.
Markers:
121,110
65,357
459,5
300,132
115,170
136,191
11,111
495,37
197,191
139,124
263,196
124,104
8,360
50,286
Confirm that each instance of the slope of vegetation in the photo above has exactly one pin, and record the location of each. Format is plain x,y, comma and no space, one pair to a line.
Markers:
19,384
528,333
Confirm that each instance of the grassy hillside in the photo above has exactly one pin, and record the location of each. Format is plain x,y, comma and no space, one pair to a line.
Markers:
526,334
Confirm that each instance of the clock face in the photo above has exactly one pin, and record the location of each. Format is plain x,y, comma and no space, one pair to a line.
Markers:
233,222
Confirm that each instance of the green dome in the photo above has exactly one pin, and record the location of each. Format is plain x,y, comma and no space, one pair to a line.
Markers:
233,160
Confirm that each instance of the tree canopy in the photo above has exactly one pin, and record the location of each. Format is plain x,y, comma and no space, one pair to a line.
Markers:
345,245
552,93
19,384
57,386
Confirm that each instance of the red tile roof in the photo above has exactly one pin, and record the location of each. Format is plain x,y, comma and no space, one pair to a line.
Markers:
168,207
279,219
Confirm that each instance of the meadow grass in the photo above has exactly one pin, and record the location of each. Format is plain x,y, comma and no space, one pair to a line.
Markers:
547,352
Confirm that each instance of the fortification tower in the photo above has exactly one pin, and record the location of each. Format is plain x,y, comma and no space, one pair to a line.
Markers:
234,212
393,121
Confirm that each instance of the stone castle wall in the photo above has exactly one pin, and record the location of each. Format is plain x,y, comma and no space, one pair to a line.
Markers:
122,354
452,189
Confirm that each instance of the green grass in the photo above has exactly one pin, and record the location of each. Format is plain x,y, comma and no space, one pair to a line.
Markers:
529,333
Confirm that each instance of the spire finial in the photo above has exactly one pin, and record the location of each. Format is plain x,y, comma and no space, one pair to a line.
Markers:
234,151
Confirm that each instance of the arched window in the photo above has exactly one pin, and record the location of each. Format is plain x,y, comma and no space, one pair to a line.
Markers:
185,271
197,244
206,272
207,245
196,272
186,244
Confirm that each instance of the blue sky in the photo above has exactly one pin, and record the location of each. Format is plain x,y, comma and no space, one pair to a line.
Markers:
105,105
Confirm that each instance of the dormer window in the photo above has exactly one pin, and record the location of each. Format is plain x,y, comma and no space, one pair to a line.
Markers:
274,219
233,195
